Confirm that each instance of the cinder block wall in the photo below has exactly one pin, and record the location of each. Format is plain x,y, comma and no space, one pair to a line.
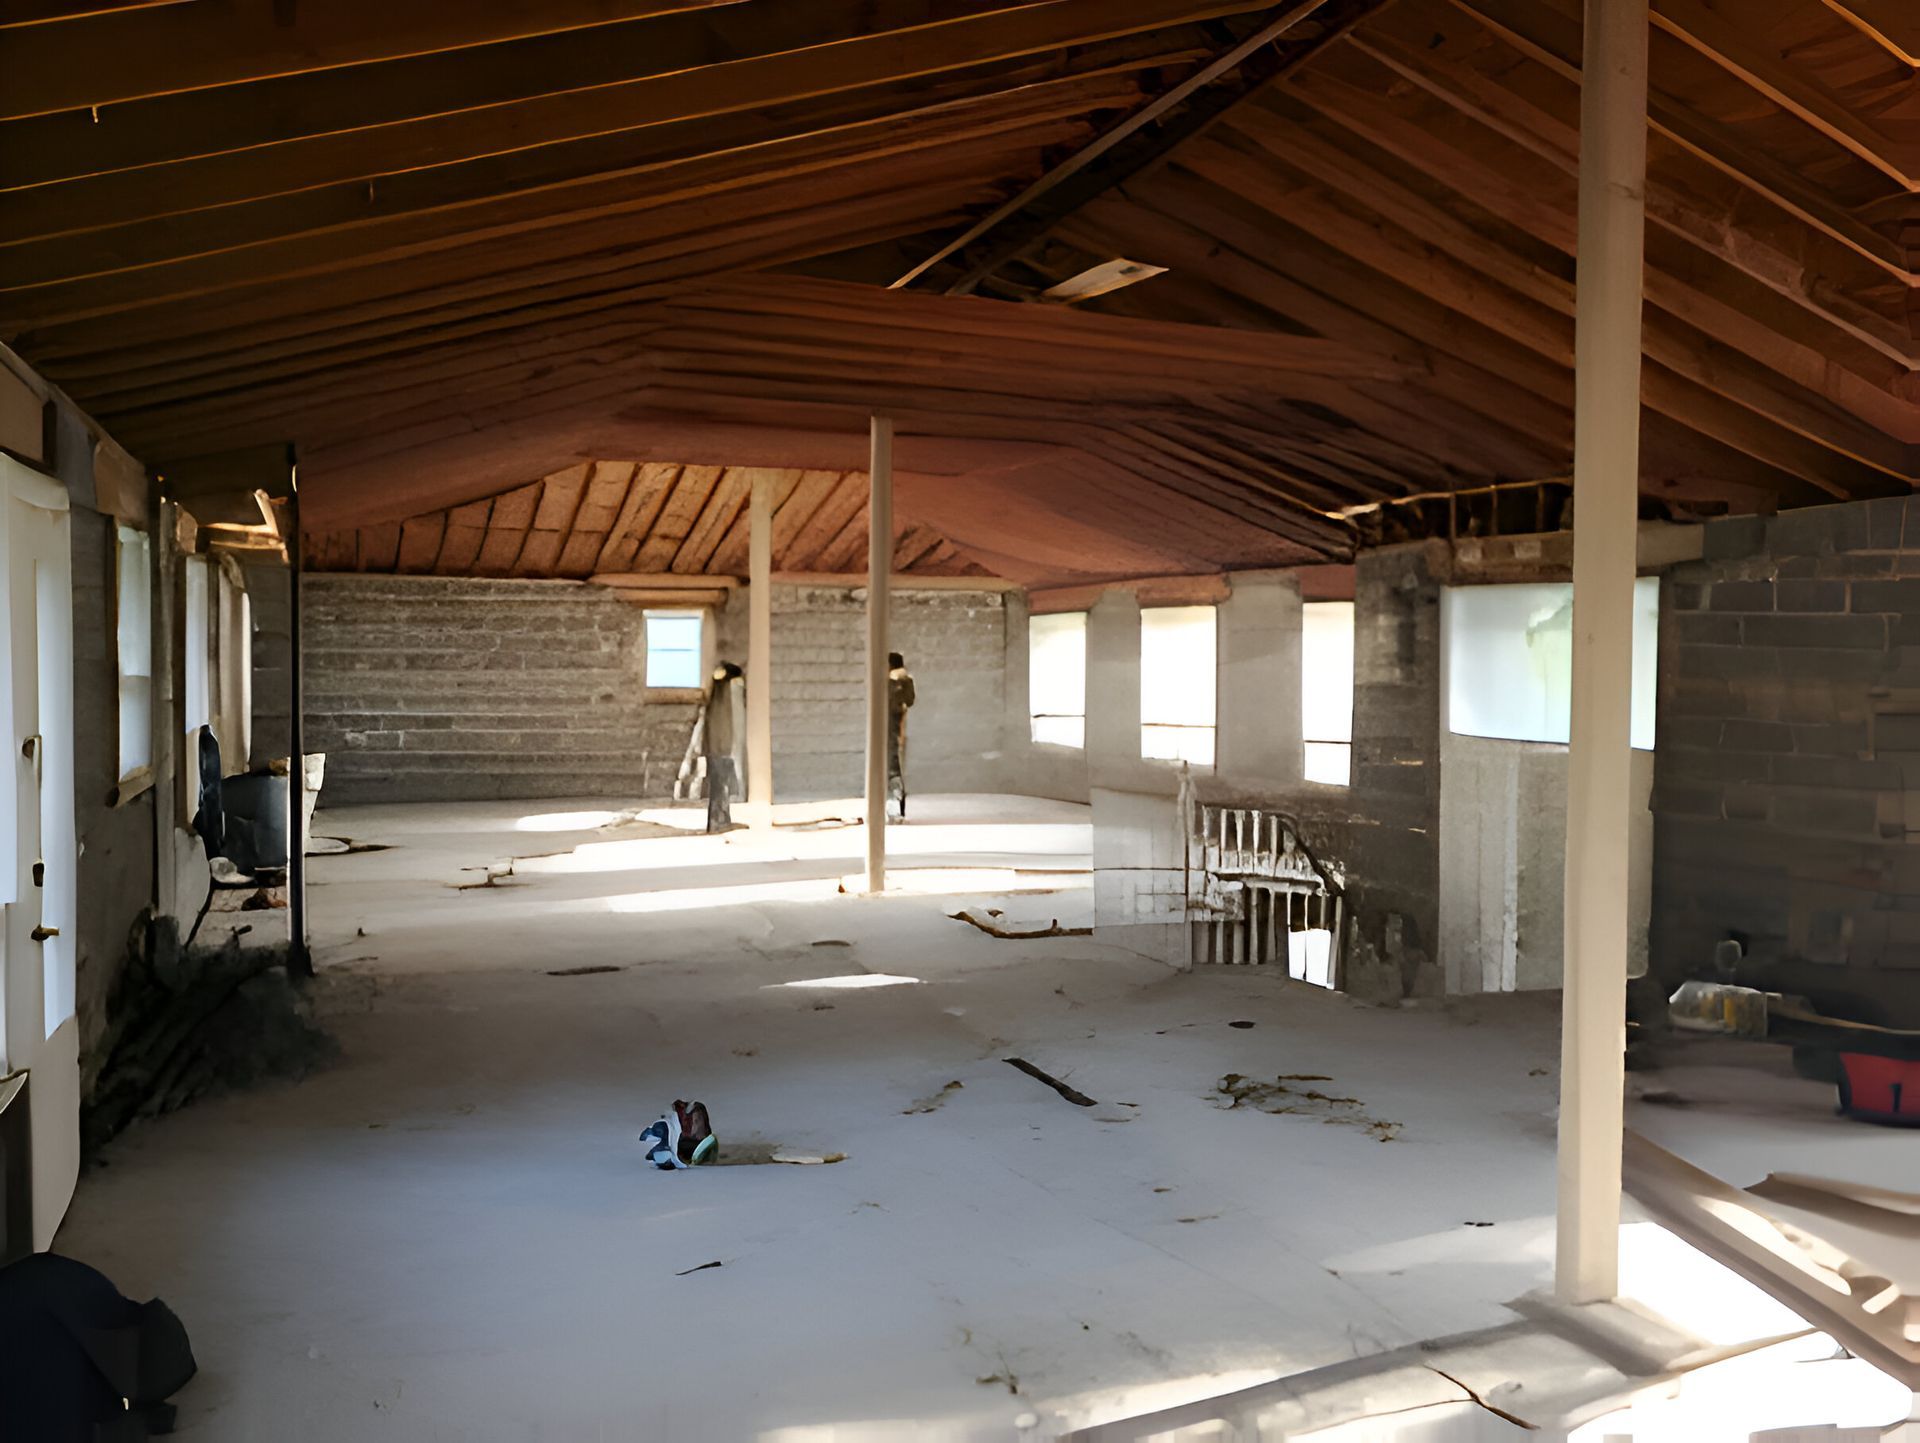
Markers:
1787,775
271,736
440,688
433,688
954,642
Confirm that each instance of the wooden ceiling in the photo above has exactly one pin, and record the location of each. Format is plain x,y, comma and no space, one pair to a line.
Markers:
628,519
443,248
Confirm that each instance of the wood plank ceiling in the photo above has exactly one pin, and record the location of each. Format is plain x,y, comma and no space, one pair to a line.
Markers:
444,249
625,518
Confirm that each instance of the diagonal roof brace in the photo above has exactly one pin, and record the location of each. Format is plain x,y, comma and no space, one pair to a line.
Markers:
1108,161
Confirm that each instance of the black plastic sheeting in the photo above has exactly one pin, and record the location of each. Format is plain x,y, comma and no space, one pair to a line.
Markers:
79,1362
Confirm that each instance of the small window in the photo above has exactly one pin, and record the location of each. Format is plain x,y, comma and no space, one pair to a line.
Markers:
1177,669
1509,656
1326,691
1057,678
673,649
133,557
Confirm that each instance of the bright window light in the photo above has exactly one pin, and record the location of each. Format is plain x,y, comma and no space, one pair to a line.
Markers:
564,821
133,558
673,648
1310,956
1177,669
1326,691
197,696
1509,653
1057,678
852,980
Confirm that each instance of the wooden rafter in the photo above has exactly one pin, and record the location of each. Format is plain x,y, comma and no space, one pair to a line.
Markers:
616,520
447,252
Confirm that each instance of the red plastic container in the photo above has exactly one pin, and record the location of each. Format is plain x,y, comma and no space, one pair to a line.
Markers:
1880,1089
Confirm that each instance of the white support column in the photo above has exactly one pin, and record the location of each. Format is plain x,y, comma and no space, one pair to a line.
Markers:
1606,475
879,565
760,652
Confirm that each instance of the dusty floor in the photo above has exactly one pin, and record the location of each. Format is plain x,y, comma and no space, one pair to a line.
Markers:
452,1234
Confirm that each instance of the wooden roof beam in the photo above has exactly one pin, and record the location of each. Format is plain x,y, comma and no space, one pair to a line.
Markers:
127,53
1354,100
1548,34
221,360
410,203
484,219
759,225
1397,230
1893,24
1792,88
1186,110
373,126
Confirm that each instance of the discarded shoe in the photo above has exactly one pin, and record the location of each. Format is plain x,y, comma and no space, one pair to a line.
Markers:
683,1137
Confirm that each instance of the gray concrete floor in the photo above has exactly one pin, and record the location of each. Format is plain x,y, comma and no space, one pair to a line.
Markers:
452,1234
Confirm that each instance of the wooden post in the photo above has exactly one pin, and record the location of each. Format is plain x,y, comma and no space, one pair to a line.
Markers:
1606,487
879,565
164,639
760,652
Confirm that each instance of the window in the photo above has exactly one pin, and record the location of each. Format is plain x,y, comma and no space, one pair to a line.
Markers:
1177,662
133,558
1057,678
1326,691
1509,656
196,696
232,670
673,649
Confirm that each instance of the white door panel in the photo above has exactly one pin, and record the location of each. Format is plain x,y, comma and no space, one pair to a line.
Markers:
37,852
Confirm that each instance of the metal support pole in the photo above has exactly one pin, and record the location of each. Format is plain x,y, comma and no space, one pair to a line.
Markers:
299,960
1606,477
879,564
760,652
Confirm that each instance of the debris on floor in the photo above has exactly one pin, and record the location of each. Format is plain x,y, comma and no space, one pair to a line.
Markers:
195,1022
808,1159
681,1137
497,872
932,1103
318,846
994,929
1077,1098
588,971
1281,1098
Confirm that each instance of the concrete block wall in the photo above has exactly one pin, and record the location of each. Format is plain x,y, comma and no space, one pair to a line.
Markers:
271,736
442,688
433,688
955,644
1787,780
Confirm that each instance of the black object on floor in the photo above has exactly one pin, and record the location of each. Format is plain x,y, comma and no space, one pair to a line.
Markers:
79,1362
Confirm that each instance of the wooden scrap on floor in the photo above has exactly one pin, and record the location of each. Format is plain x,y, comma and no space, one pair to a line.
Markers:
1077,1098
992,929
